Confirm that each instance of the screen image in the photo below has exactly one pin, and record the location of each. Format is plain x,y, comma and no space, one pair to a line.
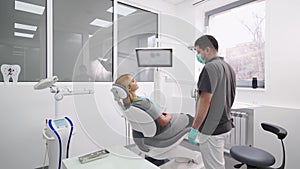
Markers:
60,123
154,57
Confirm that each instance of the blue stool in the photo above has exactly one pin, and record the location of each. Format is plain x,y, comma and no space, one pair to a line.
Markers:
256,158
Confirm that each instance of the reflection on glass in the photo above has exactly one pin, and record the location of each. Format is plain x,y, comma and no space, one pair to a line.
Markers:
139,29
23,38
82,34
123,10
29,7
101,23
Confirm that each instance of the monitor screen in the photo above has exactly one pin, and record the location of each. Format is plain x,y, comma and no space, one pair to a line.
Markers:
60,123
154,57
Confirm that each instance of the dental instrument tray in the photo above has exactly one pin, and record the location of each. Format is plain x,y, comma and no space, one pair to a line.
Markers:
93,156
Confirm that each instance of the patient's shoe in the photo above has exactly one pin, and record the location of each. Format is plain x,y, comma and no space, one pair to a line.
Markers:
198,159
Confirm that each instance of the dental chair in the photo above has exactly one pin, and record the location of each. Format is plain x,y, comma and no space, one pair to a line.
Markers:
256,158
144,129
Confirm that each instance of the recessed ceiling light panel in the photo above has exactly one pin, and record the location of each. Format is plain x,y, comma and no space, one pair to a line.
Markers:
25,27
28,7
101,23
24,35
122,10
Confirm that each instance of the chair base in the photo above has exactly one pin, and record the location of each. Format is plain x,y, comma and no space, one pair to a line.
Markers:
242,164
179,157
174,164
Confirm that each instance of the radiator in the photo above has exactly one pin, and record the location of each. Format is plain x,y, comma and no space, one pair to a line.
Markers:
242,132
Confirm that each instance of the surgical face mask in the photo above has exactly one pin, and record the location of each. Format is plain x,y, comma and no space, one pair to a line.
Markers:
200,60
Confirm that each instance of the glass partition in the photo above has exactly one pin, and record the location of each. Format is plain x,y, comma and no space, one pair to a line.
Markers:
75,23
23,37
136,28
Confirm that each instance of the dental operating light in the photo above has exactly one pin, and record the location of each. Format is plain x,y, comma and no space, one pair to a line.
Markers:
59,130
45,83
59,92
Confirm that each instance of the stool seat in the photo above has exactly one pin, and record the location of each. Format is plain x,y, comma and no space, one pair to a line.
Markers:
252,156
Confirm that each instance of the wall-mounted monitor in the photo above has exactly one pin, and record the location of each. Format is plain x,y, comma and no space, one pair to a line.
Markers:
154,57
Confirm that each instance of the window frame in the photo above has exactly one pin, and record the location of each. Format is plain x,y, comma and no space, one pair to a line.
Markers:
227,7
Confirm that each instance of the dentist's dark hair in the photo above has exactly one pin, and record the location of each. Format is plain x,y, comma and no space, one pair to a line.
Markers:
207,41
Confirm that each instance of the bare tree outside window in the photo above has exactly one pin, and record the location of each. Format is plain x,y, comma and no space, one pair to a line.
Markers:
241,34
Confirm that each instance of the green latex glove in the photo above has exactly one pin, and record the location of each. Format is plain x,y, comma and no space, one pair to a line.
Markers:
193,135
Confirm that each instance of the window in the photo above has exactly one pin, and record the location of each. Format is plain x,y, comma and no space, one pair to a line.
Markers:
240,29
23,37
135,30
82,40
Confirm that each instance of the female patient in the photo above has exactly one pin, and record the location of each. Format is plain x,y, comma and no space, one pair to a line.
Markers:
168,125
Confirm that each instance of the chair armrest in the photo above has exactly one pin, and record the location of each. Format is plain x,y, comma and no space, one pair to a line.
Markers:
279,131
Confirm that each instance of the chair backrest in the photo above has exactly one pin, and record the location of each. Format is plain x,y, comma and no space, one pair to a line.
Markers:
139,119
281,134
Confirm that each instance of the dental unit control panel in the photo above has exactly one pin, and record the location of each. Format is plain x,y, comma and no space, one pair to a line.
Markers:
58,133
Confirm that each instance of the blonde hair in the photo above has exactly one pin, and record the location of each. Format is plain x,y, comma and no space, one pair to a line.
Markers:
124,80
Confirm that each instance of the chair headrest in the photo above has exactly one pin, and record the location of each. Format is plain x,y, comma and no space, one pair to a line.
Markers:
138,118
119,92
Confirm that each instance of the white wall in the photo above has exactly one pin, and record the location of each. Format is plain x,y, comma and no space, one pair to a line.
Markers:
23,114
286,118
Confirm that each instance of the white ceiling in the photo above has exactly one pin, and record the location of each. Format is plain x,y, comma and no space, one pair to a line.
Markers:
175,2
